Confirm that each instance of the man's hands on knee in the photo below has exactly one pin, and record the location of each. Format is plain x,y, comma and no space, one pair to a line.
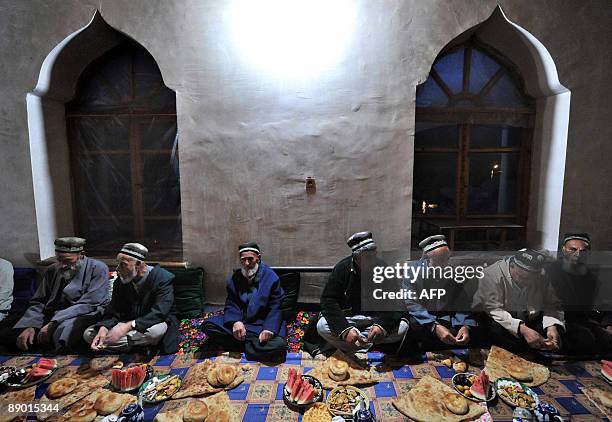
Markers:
118,331
239,331
45,333
444,334
26,338
100,339
265,335
375,334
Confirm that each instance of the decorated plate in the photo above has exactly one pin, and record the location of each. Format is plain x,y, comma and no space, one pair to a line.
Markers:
462,383
516,394
17,378
160,388
316,384
343,400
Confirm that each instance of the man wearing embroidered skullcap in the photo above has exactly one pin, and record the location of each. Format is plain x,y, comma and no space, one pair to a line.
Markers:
141,313
71,295
588,329
252,321
523,313
343,323
437,324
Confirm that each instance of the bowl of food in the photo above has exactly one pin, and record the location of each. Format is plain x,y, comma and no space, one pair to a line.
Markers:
516,394
302,390
474,387
159,388
343,400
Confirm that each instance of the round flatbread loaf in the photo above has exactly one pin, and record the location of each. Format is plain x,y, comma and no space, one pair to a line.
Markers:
108,402
338,370
460,366
85,415
520,374
226,375
212,377
168,417
317,413
61,387
220,415
456,404
196,411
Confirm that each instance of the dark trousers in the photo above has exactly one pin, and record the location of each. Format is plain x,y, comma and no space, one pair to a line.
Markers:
274,350
586,337
420,338
8,335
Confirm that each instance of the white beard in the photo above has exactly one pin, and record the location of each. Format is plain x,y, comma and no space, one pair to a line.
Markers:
125,279
250,273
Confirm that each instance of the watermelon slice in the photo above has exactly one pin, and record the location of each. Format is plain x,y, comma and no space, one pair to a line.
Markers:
480,386
291,375
47,363
606,369
307,394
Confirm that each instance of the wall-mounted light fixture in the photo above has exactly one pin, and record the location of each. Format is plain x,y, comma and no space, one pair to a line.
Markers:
311,185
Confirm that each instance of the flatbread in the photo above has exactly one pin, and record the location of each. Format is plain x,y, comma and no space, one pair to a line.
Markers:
17,396
599,398
221,401
85,389
357,374
500,361
195,383
425,402
317,413
174,416
61,387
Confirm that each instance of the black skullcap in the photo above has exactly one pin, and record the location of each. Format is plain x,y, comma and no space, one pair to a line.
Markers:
433,242
69,244
529,260
249,247
360,242
577,236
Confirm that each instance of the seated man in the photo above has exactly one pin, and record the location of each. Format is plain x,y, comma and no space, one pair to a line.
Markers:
6,287
71,295
141,311
343,323
252,321
520,304
436,324
587,330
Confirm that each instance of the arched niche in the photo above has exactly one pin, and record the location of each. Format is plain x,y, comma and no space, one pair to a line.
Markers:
51,169
551,120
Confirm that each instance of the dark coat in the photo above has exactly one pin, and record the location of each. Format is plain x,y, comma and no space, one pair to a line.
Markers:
342,297
147,302
259,312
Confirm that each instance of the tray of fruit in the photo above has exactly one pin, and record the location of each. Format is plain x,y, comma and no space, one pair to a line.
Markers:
302,390
32,374
130,378
516,394
473,387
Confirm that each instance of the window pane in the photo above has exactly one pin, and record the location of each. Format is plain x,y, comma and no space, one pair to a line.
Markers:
435,177
436,135
493,136
493,182
161,190
100,133
482,68
165,232
450,69
505,93
157,133
430,94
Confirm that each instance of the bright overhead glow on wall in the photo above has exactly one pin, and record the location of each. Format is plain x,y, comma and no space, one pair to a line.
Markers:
290,39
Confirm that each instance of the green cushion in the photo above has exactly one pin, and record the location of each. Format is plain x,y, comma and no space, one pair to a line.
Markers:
188,292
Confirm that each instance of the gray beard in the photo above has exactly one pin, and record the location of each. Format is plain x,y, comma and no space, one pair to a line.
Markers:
68,273
250,273
125,279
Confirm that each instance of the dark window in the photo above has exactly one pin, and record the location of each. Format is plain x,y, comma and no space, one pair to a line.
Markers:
124,147
472,146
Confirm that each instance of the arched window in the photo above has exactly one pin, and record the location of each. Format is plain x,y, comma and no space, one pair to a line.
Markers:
122,134
472,148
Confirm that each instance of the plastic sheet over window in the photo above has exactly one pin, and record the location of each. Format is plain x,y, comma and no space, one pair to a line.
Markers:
124,147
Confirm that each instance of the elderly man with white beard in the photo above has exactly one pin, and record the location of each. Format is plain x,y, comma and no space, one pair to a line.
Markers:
71,295
141,313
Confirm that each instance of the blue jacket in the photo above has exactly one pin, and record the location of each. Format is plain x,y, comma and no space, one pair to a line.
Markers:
257,306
